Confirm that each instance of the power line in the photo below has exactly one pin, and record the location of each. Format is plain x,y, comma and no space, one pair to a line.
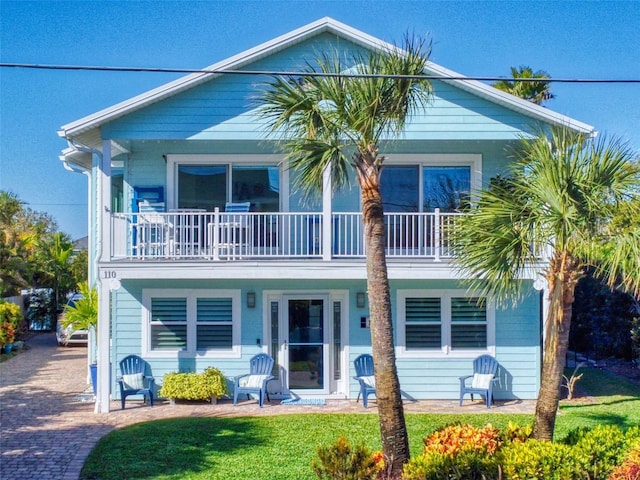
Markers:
38,66
56,204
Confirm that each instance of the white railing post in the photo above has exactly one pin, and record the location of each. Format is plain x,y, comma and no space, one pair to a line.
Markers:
326,224
216,234
436,234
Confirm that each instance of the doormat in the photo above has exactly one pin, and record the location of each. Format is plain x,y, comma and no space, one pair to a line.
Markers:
303,401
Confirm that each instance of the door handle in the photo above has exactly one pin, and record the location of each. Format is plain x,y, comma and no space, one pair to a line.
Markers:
285,345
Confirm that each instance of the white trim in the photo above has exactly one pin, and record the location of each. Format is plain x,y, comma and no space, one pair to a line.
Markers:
335,389
192,295
294,37
445,350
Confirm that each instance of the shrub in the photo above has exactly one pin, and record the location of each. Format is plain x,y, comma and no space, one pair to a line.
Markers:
516,433
345,461
208,385
541,460
599,450
10,316
457,452
451,439
629,469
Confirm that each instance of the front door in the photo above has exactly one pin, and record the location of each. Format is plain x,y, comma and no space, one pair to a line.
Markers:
306,345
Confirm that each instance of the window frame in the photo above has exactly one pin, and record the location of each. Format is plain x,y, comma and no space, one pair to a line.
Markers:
445,350
191,296
471,160
229,161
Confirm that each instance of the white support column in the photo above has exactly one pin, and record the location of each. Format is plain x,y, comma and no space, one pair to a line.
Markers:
104,278
327,214
104,353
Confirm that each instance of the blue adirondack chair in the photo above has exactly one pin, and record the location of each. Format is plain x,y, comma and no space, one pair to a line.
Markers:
133,380
364,375
485,368
255,382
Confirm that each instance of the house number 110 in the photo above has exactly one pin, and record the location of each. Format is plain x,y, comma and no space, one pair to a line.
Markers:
109,274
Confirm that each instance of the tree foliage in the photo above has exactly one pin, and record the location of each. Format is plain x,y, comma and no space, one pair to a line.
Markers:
554,211
33,254
537,92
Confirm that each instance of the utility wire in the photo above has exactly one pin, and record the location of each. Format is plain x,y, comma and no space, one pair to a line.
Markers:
308,74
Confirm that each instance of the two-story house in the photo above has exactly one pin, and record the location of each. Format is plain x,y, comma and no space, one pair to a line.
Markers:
204,253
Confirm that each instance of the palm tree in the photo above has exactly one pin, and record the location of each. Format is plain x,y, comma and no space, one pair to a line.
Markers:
83,314
17,243
328,121
537,92
554,213
55,257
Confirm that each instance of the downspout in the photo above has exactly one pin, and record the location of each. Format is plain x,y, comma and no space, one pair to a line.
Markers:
93,151
91,351
71,168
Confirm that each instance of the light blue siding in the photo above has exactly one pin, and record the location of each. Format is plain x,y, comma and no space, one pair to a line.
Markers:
224,108
517,331
218,117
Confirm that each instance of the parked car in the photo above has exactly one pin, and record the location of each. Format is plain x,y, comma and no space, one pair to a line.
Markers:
69,336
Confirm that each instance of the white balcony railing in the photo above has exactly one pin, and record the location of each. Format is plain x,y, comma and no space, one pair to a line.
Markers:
235,236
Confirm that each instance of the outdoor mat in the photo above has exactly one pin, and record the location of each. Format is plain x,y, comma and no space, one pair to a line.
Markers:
303,401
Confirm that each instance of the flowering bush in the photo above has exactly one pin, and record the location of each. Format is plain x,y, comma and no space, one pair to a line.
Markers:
10,316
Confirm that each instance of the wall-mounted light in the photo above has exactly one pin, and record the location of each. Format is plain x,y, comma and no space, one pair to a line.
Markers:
360,299
251,299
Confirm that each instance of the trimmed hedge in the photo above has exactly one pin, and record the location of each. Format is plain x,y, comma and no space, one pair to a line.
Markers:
208,385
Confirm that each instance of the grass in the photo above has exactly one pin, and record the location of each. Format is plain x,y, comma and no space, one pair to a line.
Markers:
282,447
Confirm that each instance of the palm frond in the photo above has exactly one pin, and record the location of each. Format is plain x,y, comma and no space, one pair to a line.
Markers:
563,193
320,118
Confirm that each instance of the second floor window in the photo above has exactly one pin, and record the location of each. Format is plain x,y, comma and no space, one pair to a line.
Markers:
423,188
212,186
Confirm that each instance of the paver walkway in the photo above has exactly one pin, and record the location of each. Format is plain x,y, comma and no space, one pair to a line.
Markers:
47,431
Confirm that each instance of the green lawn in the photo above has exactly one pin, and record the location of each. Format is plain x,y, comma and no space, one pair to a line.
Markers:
282,447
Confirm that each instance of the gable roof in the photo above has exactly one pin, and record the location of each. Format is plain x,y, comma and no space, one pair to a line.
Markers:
82,126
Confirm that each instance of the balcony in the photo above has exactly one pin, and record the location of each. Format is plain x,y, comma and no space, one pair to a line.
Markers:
219,236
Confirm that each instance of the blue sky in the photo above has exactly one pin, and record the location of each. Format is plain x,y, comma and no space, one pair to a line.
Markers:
568,39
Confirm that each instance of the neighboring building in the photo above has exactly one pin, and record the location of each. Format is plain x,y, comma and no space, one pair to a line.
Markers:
190,285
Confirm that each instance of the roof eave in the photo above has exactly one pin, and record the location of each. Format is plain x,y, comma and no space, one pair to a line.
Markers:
235,62
510,101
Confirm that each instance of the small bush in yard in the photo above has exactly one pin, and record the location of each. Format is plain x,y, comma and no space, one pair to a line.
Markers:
345,461
208,385
10,317
516,433
541,460
599,450
457,452
629,469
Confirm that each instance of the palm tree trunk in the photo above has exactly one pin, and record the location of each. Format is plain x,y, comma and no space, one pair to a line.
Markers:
563,277
393,430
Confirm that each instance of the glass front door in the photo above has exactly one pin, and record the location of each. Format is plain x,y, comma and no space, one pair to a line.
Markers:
306,345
